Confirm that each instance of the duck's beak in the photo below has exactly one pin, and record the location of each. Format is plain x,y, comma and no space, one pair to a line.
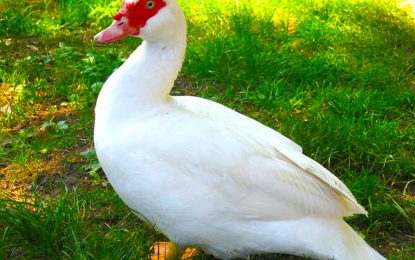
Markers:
117,30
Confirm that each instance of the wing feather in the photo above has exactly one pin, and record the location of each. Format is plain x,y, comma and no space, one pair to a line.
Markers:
260,179
266,136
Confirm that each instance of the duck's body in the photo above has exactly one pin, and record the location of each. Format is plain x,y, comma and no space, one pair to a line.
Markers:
208,176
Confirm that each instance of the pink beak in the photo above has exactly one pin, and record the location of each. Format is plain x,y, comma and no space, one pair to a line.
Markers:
116,31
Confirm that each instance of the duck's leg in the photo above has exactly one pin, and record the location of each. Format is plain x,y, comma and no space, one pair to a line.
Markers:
169,251
189,253
163,251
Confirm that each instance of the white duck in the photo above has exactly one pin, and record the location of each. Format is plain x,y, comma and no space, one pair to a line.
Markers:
205,175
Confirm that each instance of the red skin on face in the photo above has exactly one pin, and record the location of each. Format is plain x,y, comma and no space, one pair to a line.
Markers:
136,16
140,12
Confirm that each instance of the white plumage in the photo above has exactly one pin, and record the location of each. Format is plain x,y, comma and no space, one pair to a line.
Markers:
208,176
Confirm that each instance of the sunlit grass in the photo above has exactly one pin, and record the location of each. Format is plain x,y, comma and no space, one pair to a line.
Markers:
335,76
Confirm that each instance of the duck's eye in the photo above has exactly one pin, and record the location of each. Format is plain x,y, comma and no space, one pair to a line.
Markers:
150,4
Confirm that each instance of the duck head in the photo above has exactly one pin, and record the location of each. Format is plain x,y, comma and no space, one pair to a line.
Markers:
142,18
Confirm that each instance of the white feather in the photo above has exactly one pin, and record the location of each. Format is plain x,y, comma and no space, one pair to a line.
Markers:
208,176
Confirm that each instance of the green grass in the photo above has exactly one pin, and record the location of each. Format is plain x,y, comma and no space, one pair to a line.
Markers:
335,76
73,226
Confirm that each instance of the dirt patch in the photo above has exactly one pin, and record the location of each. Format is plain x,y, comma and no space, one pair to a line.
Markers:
53,184
403,240
47,177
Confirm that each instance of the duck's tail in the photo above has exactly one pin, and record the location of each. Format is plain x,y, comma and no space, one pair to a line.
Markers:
319,238
333,238
349,244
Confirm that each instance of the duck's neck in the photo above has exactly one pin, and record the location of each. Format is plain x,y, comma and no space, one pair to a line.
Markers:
146,78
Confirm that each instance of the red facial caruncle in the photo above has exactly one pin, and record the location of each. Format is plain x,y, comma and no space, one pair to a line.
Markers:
132,16
139,12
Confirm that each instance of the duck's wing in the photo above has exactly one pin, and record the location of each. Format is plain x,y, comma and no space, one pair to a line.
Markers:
268,184
263,179
262,134
309,166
